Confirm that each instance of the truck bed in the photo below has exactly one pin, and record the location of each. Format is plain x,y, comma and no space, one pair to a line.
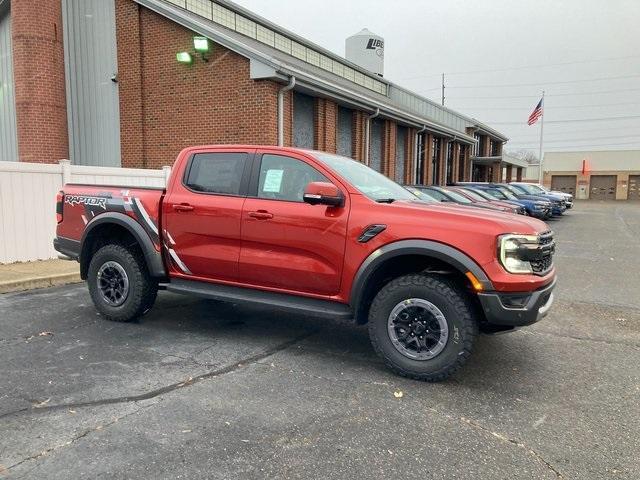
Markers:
84,203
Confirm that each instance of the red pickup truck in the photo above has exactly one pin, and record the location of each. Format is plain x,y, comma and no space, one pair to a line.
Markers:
317,234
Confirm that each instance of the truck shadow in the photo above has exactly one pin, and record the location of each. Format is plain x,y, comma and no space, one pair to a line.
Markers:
330,348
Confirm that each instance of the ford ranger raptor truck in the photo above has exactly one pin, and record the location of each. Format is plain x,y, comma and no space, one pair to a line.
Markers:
317,234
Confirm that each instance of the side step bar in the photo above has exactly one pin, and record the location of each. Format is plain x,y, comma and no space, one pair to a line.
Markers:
272,300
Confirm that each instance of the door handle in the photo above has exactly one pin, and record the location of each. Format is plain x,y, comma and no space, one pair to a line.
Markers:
261,215
182,207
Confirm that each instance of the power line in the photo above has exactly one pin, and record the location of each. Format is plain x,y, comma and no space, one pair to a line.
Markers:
564,82
494,97
627,117
532,146
524,67
564,132
590,138
486,107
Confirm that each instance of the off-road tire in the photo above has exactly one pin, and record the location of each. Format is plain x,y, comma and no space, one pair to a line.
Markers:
459,314
142,290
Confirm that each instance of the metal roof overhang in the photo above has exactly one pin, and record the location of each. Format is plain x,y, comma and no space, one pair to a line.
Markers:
503,159
304,78
481,127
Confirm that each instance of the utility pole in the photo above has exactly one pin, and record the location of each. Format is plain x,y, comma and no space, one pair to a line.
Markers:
443,89
540,162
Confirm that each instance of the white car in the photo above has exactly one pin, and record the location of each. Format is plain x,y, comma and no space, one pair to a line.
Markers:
542,190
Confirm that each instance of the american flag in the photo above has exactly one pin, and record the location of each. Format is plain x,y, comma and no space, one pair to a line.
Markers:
536,114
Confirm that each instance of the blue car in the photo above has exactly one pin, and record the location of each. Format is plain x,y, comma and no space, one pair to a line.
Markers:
535,207
558,202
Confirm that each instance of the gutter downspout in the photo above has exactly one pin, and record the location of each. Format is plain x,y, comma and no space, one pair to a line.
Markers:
367,135
281,92
416,180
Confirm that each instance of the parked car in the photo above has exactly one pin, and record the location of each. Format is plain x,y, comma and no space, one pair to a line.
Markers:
442,194
422,195
536,207
558,203
480,201
317,234
537,189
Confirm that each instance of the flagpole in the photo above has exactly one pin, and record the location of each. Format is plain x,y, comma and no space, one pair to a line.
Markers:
541,172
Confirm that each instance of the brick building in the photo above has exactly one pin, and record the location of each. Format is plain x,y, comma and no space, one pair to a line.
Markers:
98,82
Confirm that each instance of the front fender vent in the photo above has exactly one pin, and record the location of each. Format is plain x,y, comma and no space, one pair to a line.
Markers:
371,231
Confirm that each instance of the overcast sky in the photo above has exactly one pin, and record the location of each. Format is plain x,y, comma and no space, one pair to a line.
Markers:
576,50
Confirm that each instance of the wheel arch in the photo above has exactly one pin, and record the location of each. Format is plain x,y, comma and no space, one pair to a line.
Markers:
117,227
408,256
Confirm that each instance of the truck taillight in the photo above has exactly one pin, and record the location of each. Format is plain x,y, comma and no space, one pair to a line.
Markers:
59,206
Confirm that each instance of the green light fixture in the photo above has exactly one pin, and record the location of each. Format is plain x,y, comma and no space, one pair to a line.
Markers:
184,58
201,44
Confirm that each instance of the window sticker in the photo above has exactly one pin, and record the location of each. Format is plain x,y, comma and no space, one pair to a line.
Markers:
273,181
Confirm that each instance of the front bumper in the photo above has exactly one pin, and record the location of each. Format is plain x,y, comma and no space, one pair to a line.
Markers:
541,213
517,309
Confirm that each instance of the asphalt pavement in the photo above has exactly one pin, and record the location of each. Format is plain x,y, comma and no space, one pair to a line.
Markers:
201,389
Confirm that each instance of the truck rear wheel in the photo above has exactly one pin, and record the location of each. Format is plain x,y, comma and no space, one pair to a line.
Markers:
119,283
423,326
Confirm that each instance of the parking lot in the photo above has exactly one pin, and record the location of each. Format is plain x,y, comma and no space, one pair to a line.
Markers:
204,389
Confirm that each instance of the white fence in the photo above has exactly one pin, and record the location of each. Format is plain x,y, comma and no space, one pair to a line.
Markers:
27,201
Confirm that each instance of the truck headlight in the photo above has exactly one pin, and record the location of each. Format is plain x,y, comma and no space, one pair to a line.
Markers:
511,250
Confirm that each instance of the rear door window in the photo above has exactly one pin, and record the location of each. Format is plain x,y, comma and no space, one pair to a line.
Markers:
219,173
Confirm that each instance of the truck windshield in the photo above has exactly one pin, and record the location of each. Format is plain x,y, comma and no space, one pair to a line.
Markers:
477,196
537,189
530,189
457,197
371,183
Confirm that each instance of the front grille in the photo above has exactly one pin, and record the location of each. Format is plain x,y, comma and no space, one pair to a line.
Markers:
542,265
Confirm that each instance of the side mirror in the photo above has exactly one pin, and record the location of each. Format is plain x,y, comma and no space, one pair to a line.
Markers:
323,193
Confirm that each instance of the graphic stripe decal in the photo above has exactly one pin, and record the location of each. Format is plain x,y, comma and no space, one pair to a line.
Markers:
146,216
175,258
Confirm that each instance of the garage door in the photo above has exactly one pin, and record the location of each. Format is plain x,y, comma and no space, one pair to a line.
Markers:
634,187
564,183
603,187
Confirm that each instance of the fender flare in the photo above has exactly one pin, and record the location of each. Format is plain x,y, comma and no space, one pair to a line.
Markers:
152,257
454,257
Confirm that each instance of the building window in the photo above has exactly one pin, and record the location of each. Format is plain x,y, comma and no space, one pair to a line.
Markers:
420,154
303,120
401,154
482,140
495,148
375,157
345,132
449,164
435,162
461,154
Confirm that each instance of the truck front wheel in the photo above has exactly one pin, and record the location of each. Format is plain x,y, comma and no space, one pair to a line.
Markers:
423,326
119,283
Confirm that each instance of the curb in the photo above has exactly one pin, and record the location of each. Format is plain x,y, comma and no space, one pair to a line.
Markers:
31,283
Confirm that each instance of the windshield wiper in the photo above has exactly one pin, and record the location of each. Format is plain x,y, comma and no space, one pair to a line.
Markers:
386,200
